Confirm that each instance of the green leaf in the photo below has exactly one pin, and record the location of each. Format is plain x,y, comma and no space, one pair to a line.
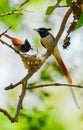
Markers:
10,20
80,22
50,9
69,2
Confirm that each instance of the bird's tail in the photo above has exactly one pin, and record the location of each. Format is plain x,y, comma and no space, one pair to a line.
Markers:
6,35
15,41
64,69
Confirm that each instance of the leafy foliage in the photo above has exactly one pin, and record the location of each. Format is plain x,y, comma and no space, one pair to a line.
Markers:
80,22
69,2
9,20
34,120
50,9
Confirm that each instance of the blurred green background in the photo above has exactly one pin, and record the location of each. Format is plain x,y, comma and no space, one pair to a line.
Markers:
49,108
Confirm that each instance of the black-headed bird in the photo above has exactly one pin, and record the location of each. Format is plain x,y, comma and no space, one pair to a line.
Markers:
47,40
19,45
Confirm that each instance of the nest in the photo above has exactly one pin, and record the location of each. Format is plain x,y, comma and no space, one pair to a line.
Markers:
31,62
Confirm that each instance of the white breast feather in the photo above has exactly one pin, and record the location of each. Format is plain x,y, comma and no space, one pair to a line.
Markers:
47,41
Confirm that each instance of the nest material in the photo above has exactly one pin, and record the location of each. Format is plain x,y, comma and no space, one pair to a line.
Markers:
32,63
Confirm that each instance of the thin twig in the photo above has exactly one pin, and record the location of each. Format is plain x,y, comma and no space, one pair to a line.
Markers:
27,77
10,47
5,31
25,2
8,115
61,6
15,11
63,24
54,84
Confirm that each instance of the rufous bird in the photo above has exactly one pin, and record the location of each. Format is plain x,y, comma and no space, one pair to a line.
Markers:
19,45
47,40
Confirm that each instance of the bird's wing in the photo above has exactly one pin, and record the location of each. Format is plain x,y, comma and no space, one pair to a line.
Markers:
17,42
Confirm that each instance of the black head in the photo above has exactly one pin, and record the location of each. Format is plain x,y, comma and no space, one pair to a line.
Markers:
27,44
43,31
25,47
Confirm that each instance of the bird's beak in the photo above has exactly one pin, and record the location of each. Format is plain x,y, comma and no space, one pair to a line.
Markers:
36,30
49,29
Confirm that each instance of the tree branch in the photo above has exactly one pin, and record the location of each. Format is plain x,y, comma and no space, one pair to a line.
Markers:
19,106
10,47
5,31
11,86
57,38
15,11
7,115
62,27
54,84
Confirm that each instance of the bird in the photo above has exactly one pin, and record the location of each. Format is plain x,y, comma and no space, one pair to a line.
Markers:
19,45
47,39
